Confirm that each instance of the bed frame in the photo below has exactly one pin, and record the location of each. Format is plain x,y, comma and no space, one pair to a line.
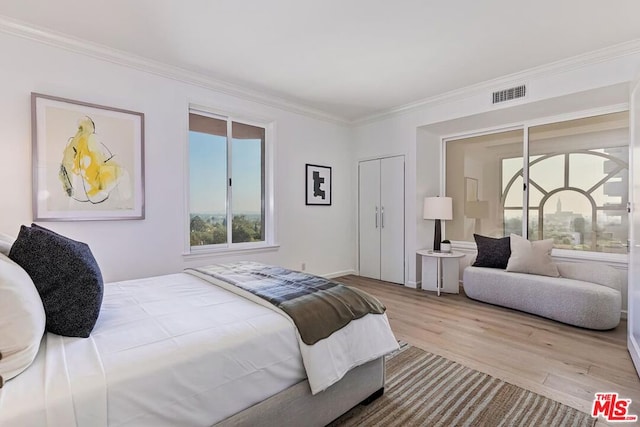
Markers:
297,406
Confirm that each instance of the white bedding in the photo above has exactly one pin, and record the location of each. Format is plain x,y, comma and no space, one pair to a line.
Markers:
172,350
329,359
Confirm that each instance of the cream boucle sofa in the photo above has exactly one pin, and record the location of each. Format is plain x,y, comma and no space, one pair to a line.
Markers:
585,295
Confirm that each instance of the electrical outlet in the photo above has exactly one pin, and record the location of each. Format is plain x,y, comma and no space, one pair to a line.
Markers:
304,266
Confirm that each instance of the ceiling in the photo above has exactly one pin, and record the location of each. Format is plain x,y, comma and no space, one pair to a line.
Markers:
347,58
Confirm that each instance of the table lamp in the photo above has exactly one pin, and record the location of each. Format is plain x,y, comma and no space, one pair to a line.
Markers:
437,208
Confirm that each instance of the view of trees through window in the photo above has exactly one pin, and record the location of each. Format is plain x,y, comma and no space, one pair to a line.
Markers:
226,181
577,187
211,229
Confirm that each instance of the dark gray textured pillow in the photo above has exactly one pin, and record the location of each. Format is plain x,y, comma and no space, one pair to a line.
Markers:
492,253
67,277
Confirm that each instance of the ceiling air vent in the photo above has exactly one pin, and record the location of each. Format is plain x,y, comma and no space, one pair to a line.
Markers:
509,94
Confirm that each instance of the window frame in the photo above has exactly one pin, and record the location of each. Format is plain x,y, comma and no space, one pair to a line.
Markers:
524,125
268,196
588,193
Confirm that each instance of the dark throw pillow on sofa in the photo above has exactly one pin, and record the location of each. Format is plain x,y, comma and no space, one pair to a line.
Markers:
492,253
67,277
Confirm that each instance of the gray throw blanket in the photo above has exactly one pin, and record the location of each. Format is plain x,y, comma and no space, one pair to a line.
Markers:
318,306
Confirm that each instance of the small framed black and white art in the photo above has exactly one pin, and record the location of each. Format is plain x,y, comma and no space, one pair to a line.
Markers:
318,185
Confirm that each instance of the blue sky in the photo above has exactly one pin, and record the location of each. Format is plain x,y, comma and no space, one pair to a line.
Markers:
208,174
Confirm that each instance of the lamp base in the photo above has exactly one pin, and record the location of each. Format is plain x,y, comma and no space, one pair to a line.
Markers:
437,236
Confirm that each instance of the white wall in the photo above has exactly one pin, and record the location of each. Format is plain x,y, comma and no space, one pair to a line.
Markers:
323,237
417,132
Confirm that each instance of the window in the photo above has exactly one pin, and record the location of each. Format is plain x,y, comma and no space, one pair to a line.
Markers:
578,183
576,180
226,182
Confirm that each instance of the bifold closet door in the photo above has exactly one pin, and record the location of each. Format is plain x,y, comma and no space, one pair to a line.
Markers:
381,219
392,219
369,218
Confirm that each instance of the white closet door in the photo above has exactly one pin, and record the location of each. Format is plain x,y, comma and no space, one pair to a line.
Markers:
392,219
369,218
633,294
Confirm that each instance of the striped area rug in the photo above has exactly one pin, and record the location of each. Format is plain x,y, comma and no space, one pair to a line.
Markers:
423,389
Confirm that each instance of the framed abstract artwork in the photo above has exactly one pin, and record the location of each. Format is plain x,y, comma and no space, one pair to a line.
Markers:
318,185
88,161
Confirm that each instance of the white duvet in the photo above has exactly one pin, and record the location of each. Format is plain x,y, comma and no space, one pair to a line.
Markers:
329,359
173,350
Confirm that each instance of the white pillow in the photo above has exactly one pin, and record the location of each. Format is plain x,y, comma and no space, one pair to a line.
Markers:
22,320
6,242
531,257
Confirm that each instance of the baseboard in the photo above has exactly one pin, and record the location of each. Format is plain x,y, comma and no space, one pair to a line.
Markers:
413,285
338,274
623,314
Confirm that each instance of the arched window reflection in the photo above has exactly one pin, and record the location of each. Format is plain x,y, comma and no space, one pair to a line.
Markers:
577,198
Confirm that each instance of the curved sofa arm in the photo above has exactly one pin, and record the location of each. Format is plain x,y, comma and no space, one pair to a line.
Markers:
589,272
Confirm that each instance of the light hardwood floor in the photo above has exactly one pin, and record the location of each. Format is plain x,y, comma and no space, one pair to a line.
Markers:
562,362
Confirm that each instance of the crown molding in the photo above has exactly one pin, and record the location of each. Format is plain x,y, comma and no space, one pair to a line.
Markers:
562,66
105,53
98,51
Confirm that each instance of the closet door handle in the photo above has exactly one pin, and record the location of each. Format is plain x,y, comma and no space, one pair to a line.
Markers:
376,217
382,216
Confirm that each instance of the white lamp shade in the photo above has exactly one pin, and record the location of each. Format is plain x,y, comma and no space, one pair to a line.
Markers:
438,208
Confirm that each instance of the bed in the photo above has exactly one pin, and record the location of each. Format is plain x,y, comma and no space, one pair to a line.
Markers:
181,350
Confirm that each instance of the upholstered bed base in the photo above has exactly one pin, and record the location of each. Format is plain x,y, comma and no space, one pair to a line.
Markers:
297,406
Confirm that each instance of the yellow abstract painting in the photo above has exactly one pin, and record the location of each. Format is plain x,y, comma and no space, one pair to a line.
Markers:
88,171
88,161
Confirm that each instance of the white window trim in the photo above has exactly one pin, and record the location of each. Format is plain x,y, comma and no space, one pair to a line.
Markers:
270,221
239,248
615,260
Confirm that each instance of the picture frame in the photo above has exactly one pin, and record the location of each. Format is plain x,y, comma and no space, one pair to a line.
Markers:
318,185
470,194
88,161
470,189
